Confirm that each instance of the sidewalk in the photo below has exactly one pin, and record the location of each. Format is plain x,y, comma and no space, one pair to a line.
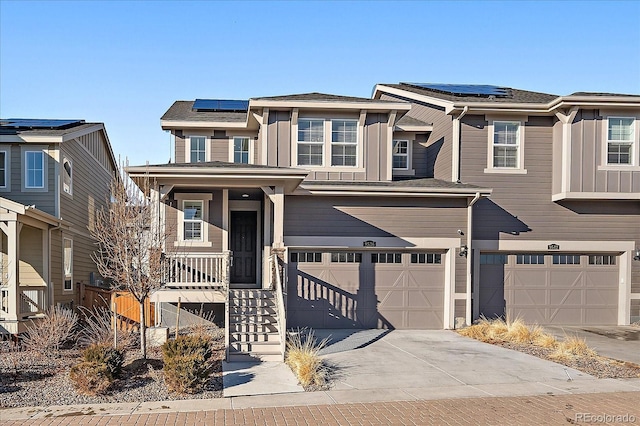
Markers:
611,408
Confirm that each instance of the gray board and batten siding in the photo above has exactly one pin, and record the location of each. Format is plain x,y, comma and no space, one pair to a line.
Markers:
437,158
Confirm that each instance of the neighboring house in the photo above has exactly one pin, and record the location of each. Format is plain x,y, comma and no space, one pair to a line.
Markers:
54,175
364,197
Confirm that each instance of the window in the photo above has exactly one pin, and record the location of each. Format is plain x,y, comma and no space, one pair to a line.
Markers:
428,258
344,142
386,257
506,142
346,257
493,259
566,259
401,155
310,142
301,257
192,220
602,260
4,175
34,169
530,259
198,149
241,151
620,138
67,176
68,264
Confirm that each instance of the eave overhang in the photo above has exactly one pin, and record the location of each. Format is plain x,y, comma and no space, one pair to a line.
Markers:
368,191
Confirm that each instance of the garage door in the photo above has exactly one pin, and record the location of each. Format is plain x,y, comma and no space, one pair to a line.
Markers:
350,289
551,289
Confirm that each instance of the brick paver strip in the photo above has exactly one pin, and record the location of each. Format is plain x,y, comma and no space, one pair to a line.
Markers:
609,408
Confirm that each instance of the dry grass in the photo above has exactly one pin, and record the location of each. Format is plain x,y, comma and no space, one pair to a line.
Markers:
518,332
303,358
97,329
573,346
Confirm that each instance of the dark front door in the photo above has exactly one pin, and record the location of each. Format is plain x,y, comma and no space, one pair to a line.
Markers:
244,227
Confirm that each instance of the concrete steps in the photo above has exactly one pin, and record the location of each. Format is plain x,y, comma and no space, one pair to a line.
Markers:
253,326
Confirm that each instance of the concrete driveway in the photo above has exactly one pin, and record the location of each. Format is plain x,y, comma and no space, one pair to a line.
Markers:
441,363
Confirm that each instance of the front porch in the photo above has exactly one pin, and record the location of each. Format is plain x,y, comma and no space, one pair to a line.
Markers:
26,290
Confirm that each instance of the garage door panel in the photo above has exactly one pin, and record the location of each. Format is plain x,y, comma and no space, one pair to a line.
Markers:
557,294
366,295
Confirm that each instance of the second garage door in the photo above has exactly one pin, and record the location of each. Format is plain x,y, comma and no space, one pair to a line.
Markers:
350,289
550,289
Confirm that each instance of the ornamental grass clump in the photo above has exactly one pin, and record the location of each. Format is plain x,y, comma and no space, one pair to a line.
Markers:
187,363
51,333
572,347
304,360
100,367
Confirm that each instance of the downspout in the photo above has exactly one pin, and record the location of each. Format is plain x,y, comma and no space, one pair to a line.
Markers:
455,175
469,304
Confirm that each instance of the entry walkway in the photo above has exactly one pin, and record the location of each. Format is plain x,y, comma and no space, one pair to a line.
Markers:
611,408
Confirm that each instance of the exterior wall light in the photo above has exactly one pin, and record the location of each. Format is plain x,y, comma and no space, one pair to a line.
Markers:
636,254
463,251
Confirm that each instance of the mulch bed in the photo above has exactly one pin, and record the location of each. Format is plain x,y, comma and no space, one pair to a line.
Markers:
28,378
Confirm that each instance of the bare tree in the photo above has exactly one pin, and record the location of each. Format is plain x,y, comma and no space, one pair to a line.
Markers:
131,243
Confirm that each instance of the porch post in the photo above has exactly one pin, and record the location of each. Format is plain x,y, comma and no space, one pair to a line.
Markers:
278,217
266,271
12,229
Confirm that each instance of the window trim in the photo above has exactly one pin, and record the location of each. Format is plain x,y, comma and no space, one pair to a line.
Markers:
205,199
407,155
187,146
635,143
64,273
328,143
7,170
519,169
232,148
45,169
66,159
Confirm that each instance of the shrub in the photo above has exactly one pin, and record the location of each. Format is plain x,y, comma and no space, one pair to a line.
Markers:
49,334
105,355
573,346
97,329
90,378
187,363
304,360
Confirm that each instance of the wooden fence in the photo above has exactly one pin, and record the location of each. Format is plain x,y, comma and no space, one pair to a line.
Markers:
127,307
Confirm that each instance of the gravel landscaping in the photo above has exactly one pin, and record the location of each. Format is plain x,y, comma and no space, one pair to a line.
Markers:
28,379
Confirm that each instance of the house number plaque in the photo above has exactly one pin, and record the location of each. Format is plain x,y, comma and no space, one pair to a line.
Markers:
368,243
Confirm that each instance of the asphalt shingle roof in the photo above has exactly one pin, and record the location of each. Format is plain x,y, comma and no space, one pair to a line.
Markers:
622,95
404,183
183,111
515,95
45,132
410,121
217,164
322,97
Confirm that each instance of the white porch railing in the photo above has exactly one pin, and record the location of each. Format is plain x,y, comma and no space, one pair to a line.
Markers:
277,283
32,300
196,270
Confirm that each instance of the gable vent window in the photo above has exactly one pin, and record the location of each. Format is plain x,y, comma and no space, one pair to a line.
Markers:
67,176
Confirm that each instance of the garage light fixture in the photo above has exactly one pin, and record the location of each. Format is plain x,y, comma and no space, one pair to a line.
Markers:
636,254
463,251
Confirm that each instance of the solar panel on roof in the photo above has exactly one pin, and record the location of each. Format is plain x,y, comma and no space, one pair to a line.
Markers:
465,89
220,105
37,123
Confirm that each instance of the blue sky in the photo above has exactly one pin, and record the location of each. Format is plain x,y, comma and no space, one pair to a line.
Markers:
124,63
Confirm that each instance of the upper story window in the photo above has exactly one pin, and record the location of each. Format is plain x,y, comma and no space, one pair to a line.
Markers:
241,150
401,155
310,142
344,142
4,169
505,152
506,142
197,149
67,176
192,223
620,139
34,169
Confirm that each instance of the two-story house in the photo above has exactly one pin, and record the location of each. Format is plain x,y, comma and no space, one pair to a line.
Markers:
558,240
54,175
417,208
